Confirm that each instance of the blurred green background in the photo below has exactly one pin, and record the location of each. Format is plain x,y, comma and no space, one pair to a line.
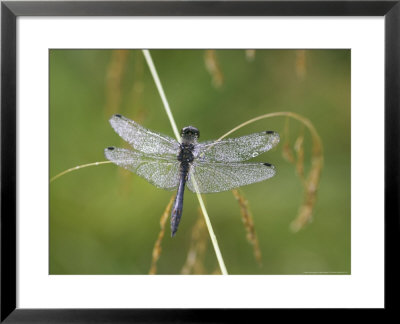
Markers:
105,220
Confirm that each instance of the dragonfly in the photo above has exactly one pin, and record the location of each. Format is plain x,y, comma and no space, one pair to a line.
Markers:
204,167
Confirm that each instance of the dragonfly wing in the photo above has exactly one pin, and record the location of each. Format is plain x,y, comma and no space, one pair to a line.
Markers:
216,177
142,139
237,149
161,172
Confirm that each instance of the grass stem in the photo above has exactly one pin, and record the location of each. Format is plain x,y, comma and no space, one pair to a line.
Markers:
300,118
214,241
77,168
160,89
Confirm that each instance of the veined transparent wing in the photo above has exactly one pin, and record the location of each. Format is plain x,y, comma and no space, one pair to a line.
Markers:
161,172
216,177
237,149
143,139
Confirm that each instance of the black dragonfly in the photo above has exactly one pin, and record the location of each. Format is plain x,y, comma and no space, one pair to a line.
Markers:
215,165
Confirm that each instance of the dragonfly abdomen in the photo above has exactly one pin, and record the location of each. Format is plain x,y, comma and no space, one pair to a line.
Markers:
176,213
185,157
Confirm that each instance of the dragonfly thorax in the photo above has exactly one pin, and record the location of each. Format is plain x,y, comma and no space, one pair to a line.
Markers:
186,153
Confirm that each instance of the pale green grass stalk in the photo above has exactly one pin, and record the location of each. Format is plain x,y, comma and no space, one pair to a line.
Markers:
300,118
77,168
214,241
160,89
210,229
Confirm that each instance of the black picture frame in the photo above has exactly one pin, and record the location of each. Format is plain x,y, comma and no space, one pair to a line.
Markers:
10,10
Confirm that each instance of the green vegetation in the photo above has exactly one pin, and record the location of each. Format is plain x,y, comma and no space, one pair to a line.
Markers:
105,220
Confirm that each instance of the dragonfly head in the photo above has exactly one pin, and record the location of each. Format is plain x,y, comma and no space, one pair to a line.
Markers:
190,134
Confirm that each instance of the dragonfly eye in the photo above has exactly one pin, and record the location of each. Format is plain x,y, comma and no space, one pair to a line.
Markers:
190,132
